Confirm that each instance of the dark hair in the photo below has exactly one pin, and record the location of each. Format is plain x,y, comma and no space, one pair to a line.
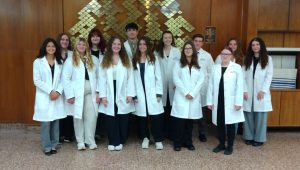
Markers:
183,59
149,53
263,54
107,59
59,38
238,54
161,45
131,25
198,36
43,51
102,43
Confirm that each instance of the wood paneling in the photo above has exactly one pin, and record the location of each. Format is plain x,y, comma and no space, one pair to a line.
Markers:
294,20
252,16
274,116
289,115
273,14
272,39
226,16
292,40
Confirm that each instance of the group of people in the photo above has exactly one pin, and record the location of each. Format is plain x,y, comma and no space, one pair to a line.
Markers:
101,83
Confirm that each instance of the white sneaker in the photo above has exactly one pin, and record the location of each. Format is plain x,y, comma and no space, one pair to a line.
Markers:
159,145
145,144
80,146
111,147
93,146
119,147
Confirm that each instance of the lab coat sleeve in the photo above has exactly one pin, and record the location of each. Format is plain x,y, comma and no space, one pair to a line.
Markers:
210,92
67,76
158,80
37,78
177,80
268,77
102,82
239,87
197,88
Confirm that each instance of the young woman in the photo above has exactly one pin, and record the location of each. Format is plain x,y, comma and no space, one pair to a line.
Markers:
188,79
238,56
149,90
168,56
66,126
49,106
80,80
98,44
225,99
258,72
116,90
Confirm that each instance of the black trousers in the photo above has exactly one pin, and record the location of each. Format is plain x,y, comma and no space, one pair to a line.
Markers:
157,124
100,128
66,128
168,124
202,125
183,132
117,128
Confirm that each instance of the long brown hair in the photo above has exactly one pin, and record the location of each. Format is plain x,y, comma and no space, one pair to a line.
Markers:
107,59
263,58
149,53
87,56
238,54
161,45
183,60
102,44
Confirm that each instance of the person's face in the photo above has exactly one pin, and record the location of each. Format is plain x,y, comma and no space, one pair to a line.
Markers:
116,46
132,33
226,56
95,39
64,42
188,50
198,42
232,45
255,46
167,39
142,46
81,47
50,48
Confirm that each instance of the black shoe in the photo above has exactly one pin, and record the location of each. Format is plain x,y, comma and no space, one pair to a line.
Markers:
248,142
257,143
177,148
219,148
47,153
53,151
191,147
228,150
202,138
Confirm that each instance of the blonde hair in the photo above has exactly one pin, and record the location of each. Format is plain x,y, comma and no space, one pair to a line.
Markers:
87,56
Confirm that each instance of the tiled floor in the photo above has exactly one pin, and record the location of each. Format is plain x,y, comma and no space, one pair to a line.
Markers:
20,149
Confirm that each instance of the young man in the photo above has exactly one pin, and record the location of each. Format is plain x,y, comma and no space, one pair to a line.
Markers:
206,62
132,31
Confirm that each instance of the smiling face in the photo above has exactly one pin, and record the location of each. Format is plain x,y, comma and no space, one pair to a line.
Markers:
116,46
167,39
143,46
226,56
255,46
198,43
64,41
188,50
81,47
50,48
233,45
95,39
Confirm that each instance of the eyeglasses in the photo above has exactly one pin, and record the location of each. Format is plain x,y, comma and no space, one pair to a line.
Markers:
226,54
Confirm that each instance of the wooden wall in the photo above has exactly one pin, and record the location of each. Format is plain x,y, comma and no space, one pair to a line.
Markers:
25,24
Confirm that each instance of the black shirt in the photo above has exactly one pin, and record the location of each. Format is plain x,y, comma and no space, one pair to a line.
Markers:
52,71
95,53
142,72
255,62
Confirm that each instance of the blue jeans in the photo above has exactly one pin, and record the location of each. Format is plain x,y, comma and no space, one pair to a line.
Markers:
49,135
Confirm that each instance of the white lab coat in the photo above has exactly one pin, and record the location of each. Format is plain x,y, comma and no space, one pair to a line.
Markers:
206,63
233,92
187,83
128,49
67,110
74,80
124,88
166,68
153,86
262,82
45,109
